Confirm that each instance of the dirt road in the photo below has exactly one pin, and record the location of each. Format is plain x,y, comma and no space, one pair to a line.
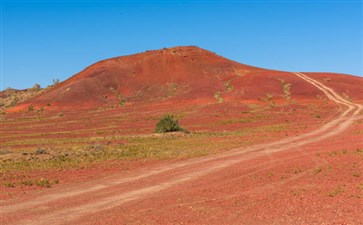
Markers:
76,203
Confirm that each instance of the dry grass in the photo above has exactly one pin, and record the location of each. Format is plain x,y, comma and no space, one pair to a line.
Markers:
79,152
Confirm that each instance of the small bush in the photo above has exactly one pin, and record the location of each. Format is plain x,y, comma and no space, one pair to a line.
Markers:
30,108
41,151
218,97
168,124
36,87
55,82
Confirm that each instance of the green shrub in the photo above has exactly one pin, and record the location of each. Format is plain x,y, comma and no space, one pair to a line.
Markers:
30,108
168,124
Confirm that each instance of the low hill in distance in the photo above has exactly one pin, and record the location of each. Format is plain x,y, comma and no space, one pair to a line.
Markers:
188,75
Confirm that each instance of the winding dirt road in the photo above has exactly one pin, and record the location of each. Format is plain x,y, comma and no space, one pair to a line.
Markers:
72,204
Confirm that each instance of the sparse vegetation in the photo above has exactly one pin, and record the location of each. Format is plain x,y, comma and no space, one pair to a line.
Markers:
13,97
9,184
13,102
229,86
286,89
359,152
55,82
40,151
337,191
268,97
36,87
337,153
27,183
122,102
231,121
81,152
121,99
168,124
5,151
356,174
318,170
298,192
172,89
30,108
42,182
218,97
270,174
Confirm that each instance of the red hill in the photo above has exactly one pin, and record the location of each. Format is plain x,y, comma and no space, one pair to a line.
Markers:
188,74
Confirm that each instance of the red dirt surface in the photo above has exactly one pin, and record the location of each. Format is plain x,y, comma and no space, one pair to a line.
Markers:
309,174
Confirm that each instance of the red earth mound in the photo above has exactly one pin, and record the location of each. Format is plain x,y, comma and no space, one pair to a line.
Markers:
184,74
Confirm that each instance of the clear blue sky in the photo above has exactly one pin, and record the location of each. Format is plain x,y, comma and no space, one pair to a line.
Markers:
43,40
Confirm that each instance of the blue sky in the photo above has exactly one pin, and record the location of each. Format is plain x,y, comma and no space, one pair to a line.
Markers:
45,40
